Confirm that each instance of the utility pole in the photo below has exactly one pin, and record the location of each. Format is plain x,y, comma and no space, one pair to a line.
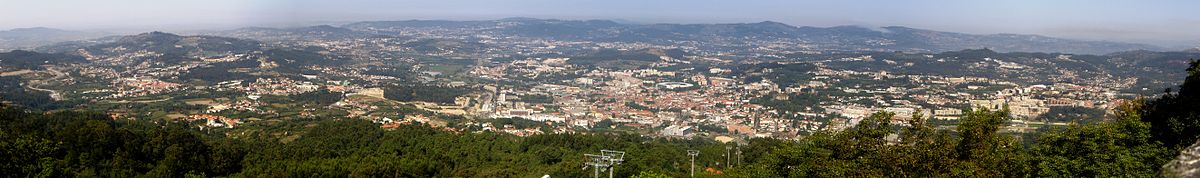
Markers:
693,153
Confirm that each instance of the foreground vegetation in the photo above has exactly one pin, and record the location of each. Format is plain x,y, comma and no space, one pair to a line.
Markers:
1135,140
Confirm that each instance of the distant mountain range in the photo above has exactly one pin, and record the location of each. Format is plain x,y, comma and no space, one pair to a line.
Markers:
850,38
27,38
893,38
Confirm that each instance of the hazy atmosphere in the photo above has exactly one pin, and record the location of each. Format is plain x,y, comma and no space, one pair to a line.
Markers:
1164,23
613,88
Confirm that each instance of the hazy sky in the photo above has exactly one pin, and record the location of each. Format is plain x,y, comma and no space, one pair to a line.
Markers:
1163,22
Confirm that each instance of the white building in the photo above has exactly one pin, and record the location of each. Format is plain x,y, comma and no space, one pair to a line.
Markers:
678,131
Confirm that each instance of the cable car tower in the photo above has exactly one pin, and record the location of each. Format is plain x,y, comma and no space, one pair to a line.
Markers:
693,154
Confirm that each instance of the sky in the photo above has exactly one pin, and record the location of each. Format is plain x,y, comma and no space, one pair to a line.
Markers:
1160,22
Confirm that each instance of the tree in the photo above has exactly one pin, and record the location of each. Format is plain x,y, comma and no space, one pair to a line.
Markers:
860,151
650,174
1173,118
1121,148
26,155
982,150
924,151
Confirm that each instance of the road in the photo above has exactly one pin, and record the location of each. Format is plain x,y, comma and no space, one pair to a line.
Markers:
57,76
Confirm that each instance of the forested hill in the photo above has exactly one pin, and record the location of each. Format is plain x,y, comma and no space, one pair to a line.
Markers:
20,59
1135,141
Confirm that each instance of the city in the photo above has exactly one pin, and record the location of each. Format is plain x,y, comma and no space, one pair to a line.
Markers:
540,95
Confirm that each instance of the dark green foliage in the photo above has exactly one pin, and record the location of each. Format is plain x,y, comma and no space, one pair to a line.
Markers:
533,98
518,123
614,58
858,152
427,93
782,74
11,90
33,60
603,124
318,98
637,106
88,144
1122,148
360,148
27,155
82,144
983,150
85,144
1072,114
1175,117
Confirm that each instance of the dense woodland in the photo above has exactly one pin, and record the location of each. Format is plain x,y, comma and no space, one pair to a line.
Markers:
1135,140
426,93
11,90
